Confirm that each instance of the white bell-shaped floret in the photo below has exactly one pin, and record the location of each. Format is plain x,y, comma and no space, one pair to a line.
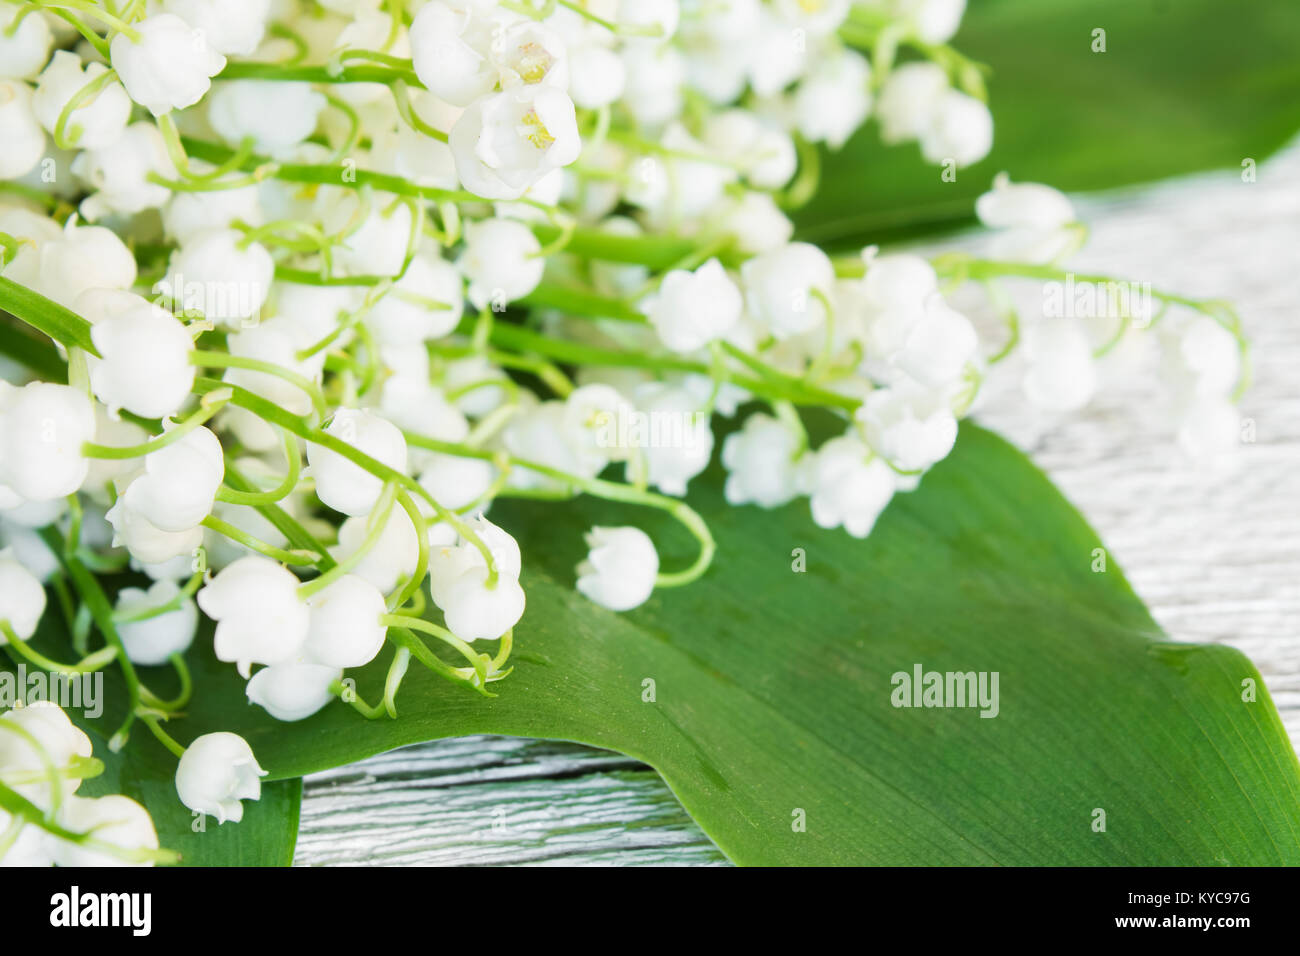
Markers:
343,485
119,172
959,131
171,65
260,619
148,543
761,462
501,261
783,288
912,428
46,736
144,363
275,115
506,142
222,275
231,27
116,820
217,772
96,122
426,303
42,429
345,630
1061,375
908,100
848,486
152,640
81,259
24,140
23,48
450,48
620,569
179,483
22,599
692,309
292,691
679,442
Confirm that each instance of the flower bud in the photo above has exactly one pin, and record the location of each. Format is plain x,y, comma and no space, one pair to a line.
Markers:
153,640
620,570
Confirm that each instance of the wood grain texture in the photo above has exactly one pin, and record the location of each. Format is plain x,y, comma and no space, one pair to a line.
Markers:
1216,555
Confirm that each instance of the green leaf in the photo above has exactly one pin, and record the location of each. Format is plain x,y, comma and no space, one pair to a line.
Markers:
56,321
1182,87
773,688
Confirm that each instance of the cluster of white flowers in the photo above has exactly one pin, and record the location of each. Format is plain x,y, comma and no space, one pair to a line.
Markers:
340,276
43,758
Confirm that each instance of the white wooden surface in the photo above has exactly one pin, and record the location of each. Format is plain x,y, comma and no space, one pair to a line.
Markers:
1215,556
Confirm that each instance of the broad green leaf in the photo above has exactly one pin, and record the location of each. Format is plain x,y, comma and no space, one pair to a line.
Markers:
1182,87
772,688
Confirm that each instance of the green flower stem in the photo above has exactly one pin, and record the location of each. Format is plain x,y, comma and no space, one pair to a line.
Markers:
282,521
92,595
405,638
393,680
656,252
402,99
422,542
87,665
293,459
354,127
211,403
204,359
298,558
114,23
783,387
151,720
65,138
180,700
192,585
476,660
274,415
300,48
349,696
376,522
340,73
78,768
600,488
